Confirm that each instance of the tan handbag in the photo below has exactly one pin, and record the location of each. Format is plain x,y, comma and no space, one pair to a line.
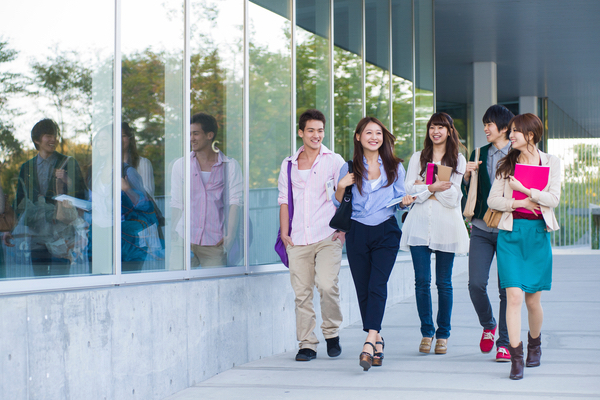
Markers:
7,218
492,218
472,195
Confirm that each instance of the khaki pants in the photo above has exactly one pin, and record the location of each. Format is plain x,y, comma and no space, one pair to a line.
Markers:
203,256
316,264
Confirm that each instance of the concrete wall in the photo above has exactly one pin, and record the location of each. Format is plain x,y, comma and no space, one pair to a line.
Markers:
150,341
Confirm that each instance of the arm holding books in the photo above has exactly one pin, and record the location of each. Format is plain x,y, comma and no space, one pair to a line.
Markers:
552,196
450,197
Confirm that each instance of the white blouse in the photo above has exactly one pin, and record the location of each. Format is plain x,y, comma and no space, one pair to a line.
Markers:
437,224
147,173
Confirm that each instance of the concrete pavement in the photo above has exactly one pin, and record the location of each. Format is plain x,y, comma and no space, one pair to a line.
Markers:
570,362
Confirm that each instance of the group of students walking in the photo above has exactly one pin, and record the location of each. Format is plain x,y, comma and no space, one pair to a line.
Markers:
319,179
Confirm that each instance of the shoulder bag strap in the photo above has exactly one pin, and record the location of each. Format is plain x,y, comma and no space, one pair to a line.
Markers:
290,195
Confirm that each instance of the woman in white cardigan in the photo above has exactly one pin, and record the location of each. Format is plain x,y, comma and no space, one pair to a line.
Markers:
524,253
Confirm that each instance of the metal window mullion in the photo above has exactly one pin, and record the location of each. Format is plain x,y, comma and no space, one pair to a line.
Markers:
391,85
364,60
331,77
117,158
414,78
246,134
187,82
433,55
293,83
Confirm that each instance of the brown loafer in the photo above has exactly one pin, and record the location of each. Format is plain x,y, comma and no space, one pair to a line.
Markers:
425,346
441,346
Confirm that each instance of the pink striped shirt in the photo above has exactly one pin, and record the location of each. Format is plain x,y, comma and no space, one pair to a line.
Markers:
210,202
312,209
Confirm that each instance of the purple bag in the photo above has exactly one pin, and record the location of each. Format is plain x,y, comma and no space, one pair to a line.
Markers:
279,245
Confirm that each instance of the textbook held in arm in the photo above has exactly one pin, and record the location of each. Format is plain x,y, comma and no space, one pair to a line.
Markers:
532,177
443,172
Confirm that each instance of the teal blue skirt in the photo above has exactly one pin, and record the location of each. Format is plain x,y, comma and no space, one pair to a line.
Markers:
525,256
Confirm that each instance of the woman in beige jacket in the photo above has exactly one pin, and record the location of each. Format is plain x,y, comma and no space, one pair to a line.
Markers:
524,253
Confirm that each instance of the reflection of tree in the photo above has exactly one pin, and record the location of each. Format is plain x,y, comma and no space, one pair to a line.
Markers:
67,83
377,93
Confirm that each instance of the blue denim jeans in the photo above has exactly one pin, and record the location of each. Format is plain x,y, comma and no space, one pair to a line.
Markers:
421,256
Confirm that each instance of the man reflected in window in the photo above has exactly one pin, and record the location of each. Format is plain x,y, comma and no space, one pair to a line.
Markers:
55,232
216,197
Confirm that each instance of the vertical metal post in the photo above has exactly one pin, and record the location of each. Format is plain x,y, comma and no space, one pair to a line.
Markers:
117,158
414,78
331,77
187,212
391,74
364,60
433,45
293,83
246,134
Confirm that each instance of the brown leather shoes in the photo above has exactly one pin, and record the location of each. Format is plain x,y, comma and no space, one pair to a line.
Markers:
425,346
534,351
441,346
516,361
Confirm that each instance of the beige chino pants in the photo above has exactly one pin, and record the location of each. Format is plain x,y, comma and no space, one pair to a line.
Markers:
316,264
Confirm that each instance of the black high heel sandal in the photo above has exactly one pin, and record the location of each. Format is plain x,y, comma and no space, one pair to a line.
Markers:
366,359
378,357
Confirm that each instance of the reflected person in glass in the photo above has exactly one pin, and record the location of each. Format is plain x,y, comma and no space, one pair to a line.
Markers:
216,199
131,157
140,241
55,231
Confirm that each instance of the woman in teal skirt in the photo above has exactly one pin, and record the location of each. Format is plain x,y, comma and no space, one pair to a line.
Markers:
523,253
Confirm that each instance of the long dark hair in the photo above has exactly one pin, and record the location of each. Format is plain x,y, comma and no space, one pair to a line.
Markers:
453,143
525,123
386,152
133,156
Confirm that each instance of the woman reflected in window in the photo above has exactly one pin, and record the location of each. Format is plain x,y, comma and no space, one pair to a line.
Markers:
132,158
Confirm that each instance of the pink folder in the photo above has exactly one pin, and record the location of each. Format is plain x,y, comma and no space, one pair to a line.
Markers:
532,177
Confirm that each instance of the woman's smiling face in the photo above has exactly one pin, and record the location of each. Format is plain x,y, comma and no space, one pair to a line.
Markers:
371,138
518,139
438,134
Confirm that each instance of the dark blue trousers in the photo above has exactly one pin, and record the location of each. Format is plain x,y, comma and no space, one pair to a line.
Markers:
372,252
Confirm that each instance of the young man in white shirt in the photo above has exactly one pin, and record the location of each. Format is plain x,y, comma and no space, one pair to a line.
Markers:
314,249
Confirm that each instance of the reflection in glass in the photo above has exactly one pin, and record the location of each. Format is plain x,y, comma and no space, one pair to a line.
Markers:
56,89
312,60
347,73
216,198
152,110
377,82
270,120
217,229
424,78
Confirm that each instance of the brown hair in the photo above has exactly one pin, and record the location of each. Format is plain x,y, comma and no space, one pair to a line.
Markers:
453,143
386,152
525,123
132,153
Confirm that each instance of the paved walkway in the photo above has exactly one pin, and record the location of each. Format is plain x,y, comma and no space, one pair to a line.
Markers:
570,363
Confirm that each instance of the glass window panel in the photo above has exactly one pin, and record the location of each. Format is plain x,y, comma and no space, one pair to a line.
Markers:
347,73
312,60
55,95
377,82
424,67
152,133
270,120
402,78
217,230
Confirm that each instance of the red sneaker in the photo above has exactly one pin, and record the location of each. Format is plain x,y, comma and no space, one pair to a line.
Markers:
487,340
502,354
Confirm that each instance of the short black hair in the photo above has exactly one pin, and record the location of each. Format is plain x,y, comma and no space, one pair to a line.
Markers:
44,127
207,122
309,115
499,115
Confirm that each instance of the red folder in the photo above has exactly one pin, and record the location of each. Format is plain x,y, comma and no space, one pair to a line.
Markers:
532,177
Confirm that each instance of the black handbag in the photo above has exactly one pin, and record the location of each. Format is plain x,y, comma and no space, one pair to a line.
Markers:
341,221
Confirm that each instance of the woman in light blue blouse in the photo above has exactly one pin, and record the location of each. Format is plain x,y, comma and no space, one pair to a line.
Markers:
373,240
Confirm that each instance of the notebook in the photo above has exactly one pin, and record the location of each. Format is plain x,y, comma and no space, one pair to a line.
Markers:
442,171
532,177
